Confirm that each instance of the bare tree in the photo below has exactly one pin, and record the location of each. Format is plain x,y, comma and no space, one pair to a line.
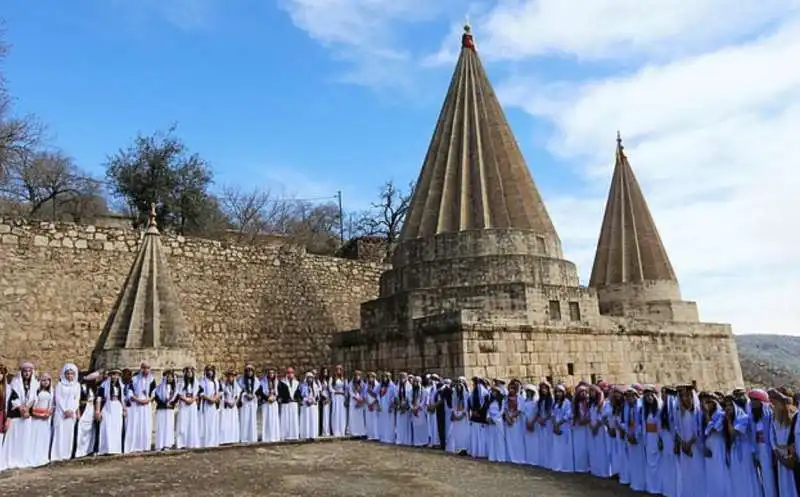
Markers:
39,179
387,215
256,211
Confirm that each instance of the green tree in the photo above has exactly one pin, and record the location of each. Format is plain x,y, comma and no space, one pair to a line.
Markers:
160,169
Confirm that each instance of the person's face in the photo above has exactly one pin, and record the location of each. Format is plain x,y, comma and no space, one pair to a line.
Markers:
209,373
559,395
144,370
248,372
512,390
290,375
309,380
756,404
650,397
69,375
709,405
26,373
114,376
230,378
189,373
358,376
339,370
170,377
729,407
45,382
545,390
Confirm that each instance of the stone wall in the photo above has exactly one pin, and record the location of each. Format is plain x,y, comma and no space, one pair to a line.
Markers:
455,344
273,304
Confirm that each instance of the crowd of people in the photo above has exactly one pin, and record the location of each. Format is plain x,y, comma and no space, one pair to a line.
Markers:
671,441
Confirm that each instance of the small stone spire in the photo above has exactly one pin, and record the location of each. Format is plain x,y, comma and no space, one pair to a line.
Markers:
629,249
152,226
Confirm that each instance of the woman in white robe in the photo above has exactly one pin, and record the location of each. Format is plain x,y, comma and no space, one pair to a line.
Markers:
386,395
139,422
17,451
514,425
433,404
67,413
166,398
563,459
86,435
456,403
270,412
616,428
229,410
210,393
650,436
309,410
357,410
402,409
530,439
599,462
784,420
110,409
337,389
495,427
544,430
668,471
634,435
479,398
742,472
580,428
41,426
248,406
289,397
715,451
5,391
418,419
373,407
691,461
187,433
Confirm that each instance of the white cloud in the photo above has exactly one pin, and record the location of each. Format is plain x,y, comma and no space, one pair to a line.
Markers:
712,138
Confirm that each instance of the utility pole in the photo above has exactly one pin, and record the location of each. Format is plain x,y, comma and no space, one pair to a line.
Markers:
341,216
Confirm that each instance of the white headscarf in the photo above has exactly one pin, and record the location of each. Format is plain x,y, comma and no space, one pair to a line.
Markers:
161,390
68,393
23,398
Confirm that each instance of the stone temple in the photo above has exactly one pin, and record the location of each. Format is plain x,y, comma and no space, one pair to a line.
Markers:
479,284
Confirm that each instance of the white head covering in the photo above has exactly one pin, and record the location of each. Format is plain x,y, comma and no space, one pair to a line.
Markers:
63,374
25,398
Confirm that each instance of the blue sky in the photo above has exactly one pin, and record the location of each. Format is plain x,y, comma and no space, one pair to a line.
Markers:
313,96
250,92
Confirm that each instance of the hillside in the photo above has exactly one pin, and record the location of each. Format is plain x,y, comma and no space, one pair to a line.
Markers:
770,360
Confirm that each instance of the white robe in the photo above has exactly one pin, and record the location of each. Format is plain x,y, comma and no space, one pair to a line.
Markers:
386,395
458,433
67,400
166,396
372,412
17,451
514,426
477,442
338,407
357,419
402,425
229,414
41,430
323,408
111,418
563,459
581,437
431,403
289,413
418,417
248,410
599,462
187,435
309,412
84,441
495,433
532,428
270,412
139,423
209,413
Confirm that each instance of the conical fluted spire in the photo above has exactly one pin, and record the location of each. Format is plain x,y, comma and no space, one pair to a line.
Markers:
474,176
629,249
147,313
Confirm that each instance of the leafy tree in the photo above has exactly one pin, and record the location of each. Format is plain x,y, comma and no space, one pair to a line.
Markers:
160,169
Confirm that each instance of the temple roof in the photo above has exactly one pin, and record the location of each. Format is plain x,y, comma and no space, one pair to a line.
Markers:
474,175
147,313
629,248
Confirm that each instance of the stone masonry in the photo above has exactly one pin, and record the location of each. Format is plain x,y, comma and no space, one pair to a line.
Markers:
479,284
272,304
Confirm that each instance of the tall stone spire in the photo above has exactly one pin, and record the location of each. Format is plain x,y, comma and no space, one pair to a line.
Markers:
146,323
629,249
474,176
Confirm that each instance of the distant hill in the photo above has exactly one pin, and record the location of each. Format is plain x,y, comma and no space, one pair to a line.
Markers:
770,360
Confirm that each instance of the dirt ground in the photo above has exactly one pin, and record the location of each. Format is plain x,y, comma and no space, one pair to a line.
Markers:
326,469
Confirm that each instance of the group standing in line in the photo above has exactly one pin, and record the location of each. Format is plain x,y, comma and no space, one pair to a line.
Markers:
670,441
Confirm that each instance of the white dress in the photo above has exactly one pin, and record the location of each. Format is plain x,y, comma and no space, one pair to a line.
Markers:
514,431
309,412
111,417
209,413
84,441
431,403
418,417
386,393
372,411
338,407
402,427
229,414
139,422
187,433
289,412
562,456
457,410
357,420
248,409
495,433
270,411
166,397
17,452
41,429
67,399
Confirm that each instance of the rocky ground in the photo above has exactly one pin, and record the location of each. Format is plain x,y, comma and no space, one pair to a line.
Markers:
336,469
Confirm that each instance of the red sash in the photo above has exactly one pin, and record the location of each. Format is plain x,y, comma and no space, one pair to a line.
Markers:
651,428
